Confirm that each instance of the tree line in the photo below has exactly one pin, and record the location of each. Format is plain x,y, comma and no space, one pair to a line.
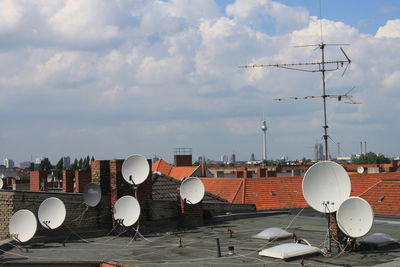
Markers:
83,164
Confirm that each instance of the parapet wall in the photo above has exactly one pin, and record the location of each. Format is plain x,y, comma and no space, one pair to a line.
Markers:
94,217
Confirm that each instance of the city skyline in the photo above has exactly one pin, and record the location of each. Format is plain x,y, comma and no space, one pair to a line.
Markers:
110,78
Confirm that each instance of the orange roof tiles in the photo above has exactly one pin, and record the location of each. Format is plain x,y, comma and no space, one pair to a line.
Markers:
384,197
362,182
265,193
181,172
175,172
230,189
286,192
161,166
275,193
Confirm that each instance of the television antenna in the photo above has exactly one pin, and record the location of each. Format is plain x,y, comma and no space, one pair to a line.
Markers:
320,66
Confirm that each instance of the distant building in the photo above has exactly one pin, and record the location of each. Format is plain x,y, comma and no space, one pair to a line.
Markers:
155,159
233,158
252,157
38,160
318,152
9,163
25,164
66,162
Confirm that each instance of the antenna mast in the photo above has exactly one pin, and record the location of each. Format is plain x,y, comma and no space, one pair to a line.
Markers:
322,66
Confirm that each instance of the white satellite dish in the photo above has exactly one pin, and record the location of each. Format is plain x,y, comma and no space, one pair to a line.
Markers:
135,169
127,210
92,194
23,225
52,213
355,217
1,183
326,185
192,190
360,169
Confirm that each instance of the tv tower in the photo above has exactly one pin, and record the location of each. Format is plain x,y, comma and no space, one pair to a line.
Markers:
264,129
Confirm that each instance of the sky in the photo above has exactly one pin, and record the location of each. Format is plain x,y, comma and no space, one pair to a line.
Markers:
111,78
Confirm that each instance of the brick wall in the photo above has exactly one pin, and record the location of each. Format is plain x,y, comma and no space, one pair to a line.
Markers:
190,214
223,207
166,209
12,201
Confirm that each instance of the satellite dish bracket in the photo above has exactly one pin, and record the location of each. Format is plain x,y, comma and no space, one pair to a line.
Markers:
188,201
47,224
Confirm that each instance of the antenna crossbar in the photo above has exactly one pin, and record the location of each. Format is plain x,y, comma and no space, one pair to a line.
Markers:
288,65
338,97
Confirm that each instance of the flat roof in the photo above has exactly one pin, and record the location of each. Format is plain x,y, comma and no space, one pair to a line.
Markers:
199,245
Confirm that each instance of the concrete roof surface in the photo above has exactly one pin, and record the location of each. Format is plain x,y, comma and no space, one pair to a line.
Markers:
199,245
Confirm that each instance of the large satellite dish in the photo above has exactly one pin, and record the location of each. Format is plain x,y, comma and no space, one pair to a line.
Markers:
52,213
135,169
355,217
192,190
326,185
360,169
92,194
127,210
23,225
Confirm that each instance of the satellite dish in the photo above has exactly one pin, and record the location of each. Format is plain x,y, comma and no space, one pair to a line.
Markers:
326,185
51,213
23,225
127,210
360,169
355,217
1,183
135,169
192,190
92,194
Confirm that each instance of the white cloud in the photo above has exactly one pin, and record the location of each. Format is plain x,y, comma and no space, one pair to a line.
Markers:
258,12
167,73
390,30
10,15
392,80
85,21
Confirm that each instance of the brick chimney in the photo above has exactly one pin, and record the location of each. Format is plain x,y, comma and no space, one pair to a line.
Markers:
119,187
68,180
37,181
183,157
82,178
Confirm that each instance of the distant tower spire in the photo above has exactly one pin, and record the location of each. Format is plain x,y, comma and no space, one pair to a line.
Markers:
264,129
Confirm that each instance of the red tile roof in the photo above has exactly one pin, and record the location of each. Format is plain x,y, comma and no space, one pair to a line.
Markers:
362,182
286,192
161,166
275,193
175,172
230,189
384,197
265,193
181,172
